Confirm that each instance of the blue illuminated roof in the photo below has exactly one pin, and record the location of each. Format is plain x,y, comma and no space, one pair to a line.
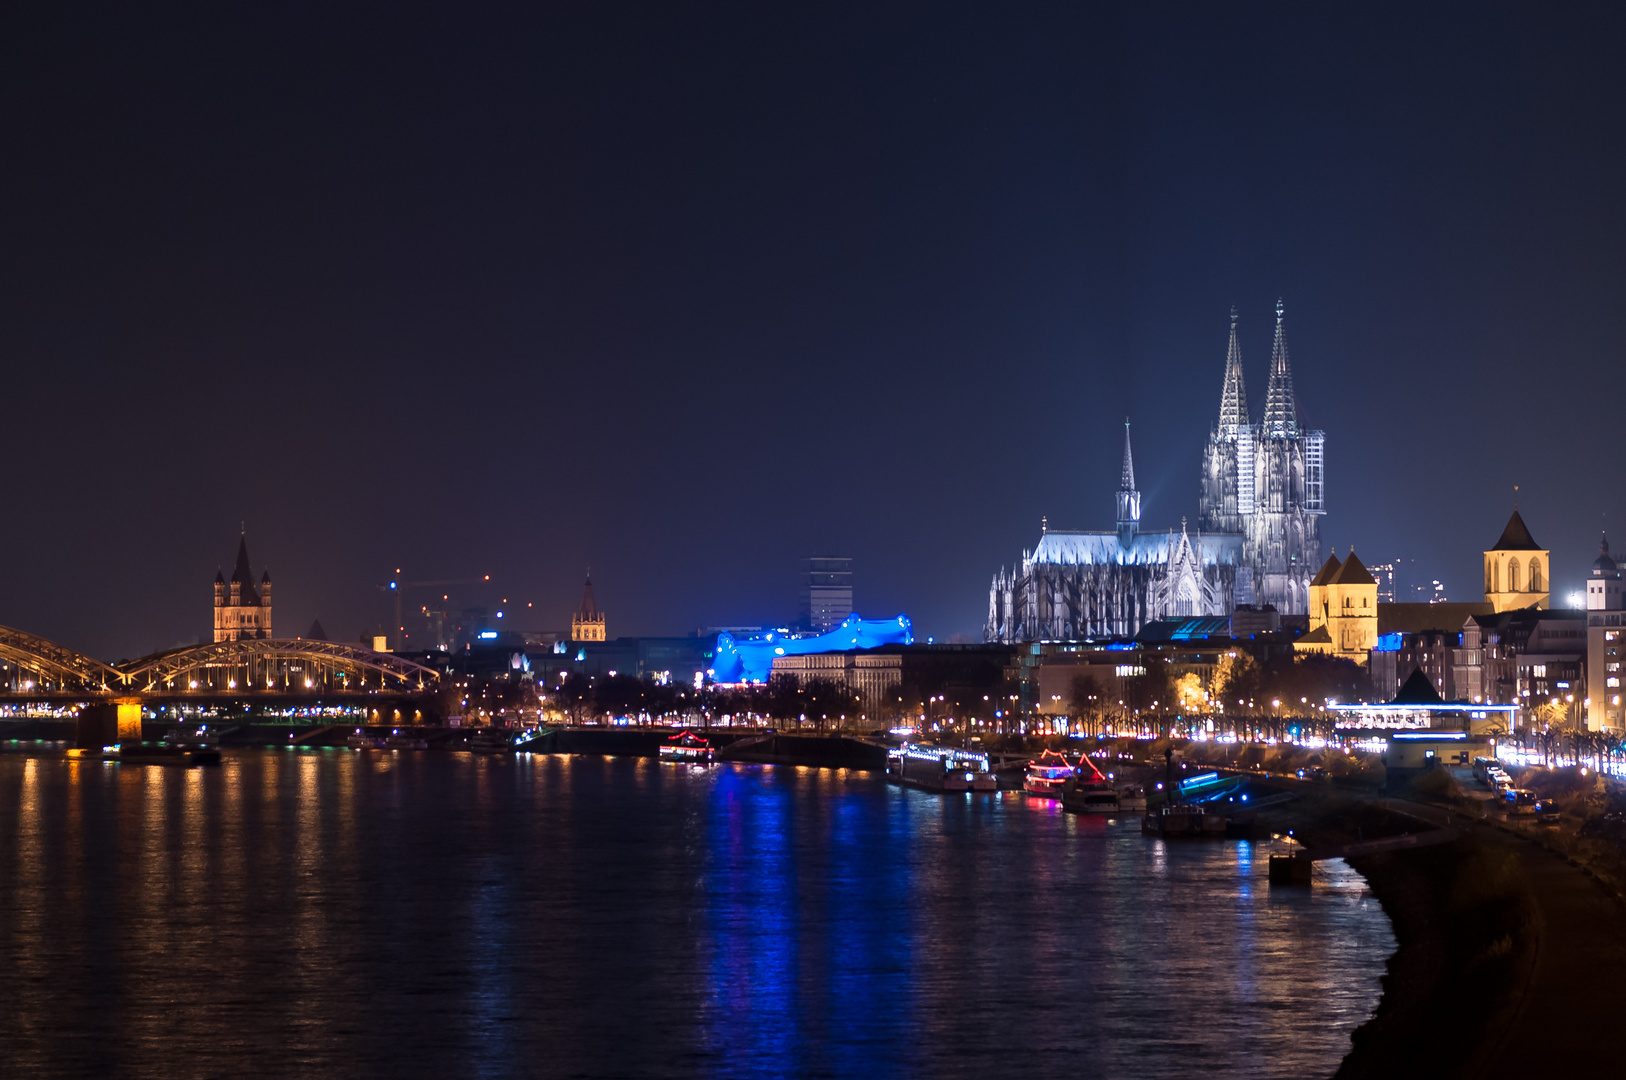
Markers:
751,660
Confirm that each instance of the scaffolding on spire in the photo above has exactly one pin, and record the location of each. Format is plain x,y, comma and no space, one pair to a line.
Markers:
1233,415
1281,414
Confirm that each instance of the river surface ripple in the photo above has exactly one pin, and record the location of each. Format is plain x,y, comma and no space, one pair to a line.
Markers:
435,914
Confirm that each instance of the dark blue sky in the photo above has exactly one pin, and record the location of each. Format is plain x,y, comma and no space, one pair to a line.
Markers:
689,292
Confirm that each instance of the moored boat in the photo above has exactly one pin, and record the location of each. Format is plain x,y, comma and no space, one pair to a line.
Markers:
1183,819
491,742
941,768
1132,797
1083,797
137,753
1046,774
687,748
196,740
399,741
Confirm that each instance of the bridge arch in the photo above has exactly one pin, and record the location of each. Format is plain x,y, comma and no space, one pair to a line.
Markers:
273,664
32,659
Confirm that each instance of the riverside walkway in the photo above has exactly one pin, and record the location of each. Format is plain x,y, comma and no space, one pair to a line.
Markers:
1565,1016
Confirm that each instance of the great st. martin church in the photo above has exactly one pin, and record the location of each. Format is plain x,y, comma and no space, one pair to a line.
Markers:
1257,538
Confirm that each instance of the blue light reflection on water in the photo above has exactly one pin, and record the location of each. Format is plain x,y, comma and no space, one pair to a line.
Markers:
359,914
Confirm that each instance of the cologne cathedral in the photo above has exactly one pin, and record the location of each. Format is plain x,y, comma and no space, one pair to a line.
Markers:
1257,538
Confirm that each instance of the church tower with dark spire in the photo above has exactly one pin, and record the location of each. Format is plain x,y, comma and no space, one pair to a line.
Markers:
588,622
241,610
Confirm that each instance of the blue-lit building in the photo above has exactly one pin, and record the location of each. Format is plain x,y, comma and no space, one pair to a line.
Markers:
750,660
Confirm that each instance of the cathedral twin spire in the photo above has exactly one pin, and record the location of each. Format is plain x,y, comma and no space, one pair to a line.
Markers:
1280,420
1234,397
1281,415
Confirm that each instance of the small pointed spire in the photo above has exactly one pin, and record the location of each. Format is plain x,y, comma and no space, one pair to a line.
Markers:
1281,413
1128,497
1044,524
1233,395
1127,483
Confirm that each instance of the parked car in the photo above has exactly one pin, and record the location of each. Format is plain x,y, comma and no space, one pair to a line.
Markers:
1520,801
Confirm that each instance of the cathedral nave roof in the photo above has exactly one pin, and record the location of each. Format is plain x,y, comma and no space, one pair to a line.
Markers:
1144,549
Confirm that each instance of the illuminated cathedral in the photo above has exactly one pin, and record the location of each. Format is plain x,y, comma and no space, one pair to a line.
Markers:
1257,538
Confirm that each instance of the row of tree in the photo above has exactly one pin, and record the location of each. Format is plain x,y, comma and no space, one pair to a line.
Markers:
1287,685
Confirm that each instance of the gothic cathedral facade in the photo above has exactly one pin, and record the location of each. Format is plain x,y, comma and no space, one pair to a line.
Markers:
1257,540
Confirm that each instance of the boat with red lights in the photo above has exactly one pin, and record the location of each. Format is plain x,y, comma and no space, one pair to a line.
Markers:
687,748
1046,775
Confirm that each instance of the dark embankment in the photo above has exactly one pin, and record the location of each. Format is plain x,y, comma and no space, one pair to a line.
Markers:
820,751
1467,929
50,730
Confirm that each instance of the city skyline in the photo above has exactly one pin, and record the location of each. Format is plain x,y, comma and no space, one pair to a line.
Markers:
566,297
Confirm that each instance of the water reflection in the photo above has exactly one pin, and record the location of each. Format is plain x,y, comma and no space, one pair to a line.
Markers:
342,913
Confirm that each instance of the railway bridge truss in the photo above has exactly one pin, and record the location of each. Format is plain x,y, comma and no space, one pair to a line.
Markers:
35,669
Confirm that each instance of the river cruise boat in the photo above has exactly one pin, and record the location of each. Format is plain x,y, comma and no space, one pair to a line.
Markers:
687,748
141,753
1132,797
400,741
941,768
1046,774
201,739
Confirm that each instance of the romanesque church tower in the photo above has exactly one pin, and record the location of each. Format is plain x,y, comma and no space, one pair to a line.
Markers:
241,610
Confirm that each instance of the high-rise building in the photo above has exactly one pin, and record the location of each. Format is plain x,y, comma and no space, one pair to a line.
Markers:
588,622
827,592
1257,540
241,610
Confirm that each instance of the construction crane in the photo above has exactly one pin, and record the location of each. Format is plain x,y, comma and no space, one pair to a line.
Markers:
397,587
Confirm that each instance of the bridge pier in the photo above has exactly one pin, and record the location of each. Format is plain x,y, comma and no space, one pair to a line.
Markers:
109,722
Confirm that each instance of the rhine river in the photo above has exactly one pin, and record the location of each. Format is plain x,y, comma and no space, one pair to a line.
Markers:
436,914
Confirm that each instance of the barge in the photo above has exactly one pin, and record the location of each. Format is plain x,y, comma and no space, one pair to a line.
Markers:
942,769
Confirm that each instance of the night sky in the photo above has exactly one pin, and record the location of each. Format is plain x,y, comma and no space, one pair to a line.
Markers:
688,292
